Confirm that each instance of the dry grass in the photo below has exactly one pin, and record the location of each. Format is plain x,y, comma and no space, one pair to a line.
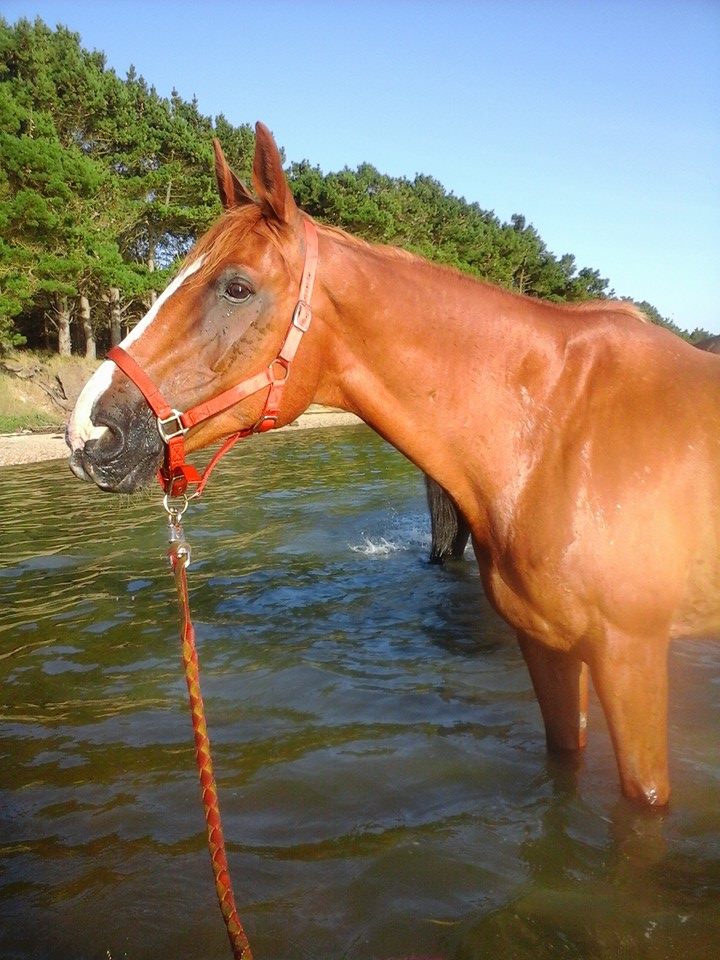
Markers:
31,395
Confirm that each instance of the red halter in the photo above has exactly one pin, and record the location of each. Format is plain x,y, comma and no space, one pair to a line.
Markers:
176,474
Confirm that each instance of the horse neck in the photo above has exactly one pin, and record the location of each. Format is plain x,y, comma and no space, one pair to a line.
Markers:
430,358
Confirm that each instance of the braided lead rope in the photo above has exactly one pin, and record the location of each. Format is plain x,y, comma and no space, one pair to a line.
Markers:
179,554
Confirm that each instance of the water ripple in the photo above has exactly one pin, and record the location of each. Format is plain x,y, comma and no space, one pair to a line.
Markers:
378,749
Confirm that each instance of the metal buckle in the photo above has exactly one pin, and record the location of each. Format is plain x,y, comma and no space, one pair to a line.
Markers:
302,315
176,418
266,422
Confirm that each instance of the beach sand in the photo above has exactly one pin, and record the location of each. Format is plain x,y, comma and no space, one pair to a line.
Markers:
36,447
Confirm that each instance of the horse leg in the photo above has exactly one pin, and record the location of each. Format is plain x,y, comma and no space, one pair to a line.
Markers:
630,676
561,687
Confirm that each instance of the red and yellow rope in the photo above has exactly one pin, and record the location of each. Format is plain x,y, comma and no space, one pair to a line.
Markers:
216,842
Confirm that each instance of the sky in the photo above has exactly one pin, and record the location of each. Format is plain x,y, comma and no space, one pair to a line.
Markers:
597,120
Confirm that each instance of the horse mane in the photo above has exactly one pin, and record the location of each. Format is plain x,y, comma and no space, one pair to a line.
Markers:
395,252
223,238
620,308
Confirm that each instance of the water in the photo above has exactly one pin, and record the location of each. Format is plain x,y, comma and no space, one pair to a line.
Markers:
381,766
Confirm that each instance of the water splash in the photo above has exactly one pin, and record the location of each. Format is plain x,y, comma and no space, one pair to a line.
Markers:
381,545
401,532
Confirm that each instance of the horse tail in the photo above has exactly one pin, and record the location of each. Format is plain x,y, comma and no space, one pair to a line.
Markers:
449,529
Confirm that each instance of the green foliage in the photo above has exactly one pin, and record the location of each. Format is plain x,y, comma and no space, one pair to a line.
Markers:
421,216
33,420
105,184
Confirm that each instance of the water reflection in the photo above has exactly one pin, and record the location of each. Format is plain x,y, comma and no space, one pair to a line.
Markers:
379,754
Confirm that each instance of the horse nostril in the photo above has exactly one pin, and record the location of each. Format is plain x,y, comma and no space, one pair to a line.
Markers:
107,446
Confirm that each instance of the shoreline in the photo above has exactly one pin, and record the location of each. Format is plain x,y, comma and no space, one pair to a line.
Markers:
17,448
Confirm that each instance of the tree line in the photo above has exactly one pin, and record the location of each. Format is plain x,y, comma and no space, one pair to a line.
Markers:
105,185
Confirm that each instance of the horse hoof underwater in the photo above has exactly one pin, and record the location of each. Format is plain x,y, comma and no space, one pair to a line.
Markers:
581,444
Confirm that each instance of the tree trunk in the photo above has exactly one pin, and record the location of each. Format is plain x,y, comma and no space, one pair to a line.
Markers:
90,349
62,312
115,317
151,258
151,267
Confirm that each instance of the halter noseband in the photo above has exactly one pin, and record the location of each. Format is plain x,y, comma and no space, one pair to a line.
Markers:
176,475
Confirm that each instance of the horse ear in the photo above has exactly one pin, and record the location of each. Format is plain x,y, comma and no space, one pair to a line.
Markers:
233,192
269,179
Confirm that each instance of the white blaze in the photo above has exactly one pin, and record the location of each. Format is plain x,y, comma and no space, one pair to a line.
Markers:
81,428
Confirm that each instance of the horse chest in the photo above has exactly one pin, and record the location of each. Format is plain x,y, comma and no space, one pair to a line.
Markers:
536,602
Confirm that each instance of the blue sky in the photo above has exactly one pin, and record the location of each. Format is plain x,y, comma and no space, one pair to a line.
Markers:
597,120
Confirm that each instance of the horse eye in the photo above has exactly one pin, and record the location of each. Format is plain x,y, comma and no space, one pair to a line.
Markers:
238,291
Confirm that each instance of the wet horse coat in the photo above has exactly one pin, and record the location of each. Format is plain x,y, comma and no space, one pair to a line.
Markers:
581,444
450,533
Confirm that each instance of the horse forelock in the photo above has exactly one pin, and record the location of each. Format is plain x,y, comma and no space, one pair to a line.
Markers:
223,241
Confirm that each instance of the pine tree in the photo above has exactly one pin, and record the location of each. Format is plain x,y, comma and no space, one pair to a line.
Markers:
104,185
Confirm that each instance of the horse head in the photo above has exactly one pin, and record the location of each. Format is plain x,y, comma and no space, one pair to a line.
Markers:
221,320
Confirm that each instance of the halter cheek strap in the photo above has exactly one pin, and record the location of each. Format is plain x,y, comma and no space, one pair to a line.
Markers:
176,474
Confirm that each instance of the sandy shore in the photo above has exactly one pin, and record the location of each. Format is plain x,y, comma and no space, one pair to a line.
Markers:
35,447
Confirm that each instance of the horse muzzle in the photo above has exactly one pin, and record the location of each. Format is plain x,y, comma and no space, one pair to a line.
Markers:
122,457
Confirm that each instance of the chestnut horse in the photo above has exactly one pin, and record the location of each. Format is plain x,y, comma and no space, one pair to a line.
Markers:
581,444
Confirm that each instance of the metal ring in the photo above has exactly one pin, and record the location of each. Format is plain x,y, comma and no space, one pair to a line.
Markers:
175,512
284,366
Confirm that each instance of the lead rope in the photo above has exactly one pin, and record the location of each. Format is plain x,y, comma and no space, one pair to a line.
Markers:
174,479
179,555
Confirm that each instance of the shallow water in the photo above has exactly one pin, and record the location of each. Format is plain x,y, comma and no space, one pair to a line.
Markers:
380,759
